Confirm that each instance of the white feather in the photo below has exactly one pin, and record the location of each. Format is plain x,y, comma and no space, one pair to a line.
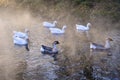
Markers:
57,30
82,28
49,25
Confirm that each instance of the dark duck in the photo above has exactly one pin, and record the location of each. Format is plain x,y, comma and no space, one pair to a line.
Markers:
52,51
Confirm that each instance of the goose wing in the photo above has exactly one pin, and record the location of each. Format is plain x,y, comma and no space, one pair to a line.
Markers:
46,48
21,34
97,45
81,27
54,29
57,31
19,41
47,24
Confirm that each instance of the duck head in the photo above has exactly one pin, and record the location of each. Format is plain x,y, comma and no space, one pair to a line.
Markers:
110,39
56,42
88,24
26,30
64,27
55,22
107,43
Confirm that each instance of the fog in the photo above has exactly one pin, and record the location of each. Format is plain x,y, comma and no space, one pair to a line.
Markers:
12,59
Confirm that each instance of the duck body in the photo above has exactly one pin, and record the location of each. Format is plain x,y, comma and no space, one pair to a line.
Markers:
95,46
49,25
82,28
57,30
20,42
47,50
52,51
107,46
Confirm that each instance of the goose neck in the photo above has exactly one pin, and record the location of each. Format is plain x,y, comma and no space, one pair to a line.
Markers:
63,29
55,49
54,23
88,26
26,31
107,44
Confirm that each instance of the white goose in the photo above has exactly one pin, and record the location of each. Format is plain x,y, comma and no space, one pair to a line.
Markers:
49,25
95,46
82,28
22,34
57,30
20,42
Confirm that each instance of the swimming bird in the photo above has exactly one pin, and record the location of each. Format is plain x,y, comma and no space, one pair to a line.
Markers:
57,30
95,46
82,27
53,51
20,42
49,25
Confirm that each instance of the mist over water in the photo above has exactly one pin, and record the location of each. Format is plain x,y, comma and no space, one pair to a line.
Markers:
12,59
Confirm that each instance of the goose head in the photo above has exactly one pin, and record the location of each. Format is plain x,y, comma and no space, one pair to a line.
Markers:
56,42
26,30
64,27
55,22
107,43
109,39
88,24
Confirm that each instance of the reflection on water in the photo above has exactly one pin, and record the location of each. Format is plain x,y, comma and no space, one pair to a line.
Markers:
14,61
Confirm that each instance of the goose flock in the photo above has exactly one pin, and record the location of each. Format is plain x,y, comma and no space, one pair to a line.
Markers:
22,39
